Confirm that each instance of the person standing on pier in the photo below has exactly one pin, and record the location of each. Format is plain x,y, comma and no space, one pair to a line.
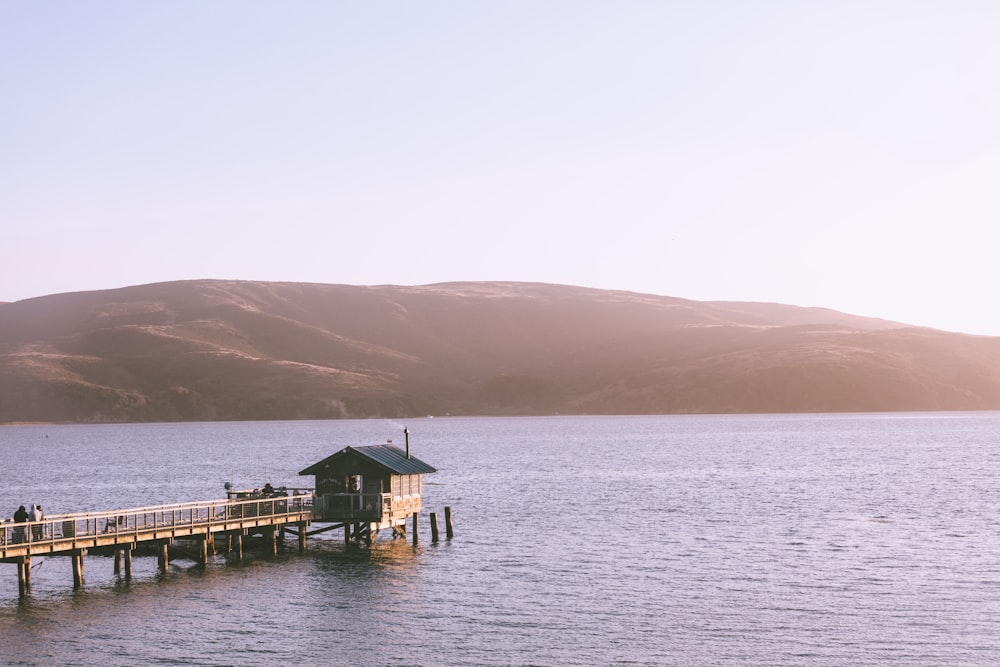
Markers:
36,515
20,516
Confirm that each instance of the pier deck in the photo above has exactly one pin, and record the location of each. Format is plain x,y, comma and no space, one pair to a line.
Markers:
65,533
157,526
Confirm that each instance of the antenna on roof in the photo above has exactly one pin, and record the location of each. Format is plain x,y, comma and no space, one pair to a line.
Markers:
406,432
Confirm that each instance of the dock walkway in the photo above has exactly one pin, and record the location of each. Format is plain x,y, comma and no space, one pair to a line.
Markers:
158,526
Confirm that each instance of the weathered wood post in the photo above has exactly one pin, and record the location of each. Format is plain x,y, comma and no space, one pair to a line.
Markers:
162,556
128,563
77,558
347,534
239,545
118,560
203,551
449,531
416,532
23,575
434,527
270,540
302,536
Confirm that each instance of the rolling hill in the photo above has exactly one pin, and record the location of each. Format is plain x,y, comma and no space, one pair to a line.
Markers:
241,350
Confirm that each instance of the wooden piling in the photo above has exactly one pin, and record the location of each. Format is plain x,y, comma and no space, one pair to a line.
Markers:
434,527
238,546
163,556
128,563
203,551
449,531
77,558
270,540
118,561
23,576
302,525
416,533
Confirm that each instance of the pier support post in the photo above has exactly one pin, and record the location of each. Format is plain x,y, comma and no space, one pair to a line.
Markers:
239,545
118,560
270,541
163,556
434,527
449,532
347,534
416,532
77,558
23,576
203,551
128,563
302,536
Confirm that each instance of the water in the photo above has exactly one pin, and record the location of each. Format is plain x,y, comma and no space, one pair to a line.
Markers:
666,540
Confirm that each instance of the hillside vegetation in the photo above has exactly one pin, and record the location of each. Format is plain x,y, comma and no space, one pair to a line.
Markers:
238,350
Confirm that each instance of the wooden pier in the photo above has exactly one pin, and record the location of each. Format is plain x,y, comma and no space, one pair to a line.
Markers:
156,527
389,492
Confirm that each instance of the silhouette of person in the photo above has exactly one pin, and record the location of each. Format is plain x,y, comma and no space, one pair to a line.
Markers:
36,514
20,516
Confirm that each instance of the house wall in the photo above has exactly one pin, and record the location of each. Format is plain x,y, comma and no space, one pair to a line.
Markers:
404,486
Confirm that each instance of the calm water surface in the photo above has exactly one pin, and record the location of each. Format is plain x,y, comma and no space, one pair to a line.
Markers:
732,540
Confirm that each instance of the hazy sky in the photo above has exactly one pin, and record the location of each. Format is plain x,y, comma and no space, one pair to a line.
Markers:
836,154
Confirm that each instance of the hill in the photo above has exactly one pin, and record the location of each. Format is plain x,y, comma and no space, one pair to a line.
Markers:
239,350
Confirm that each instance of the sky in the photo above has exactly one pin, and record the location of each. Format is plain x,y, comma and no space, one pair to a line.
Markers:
843,155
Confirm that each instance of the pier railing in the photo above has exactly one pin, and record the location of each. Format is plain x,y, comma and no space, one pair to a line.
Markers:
56,530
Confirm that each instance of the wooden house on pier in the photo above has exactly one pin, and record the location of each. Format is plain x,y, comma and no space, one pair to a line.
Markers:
370,487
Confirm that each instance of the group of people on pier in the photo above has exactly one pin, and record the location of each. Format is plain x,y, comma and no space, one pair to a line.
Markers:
25,516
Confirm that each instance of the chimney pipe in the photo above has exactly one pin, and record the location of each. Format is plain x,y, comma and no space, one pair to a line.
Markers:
406,432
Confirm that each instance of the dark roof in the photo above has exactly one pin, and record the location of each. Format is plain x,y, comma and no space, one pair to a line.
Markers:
391,458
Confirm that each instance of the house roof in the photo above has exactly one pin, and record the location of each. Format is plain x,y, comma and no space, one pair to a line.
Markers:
391,458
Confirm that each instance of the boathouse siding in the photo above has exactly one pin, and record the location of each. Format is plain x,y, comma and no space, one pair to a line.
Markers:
377,484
